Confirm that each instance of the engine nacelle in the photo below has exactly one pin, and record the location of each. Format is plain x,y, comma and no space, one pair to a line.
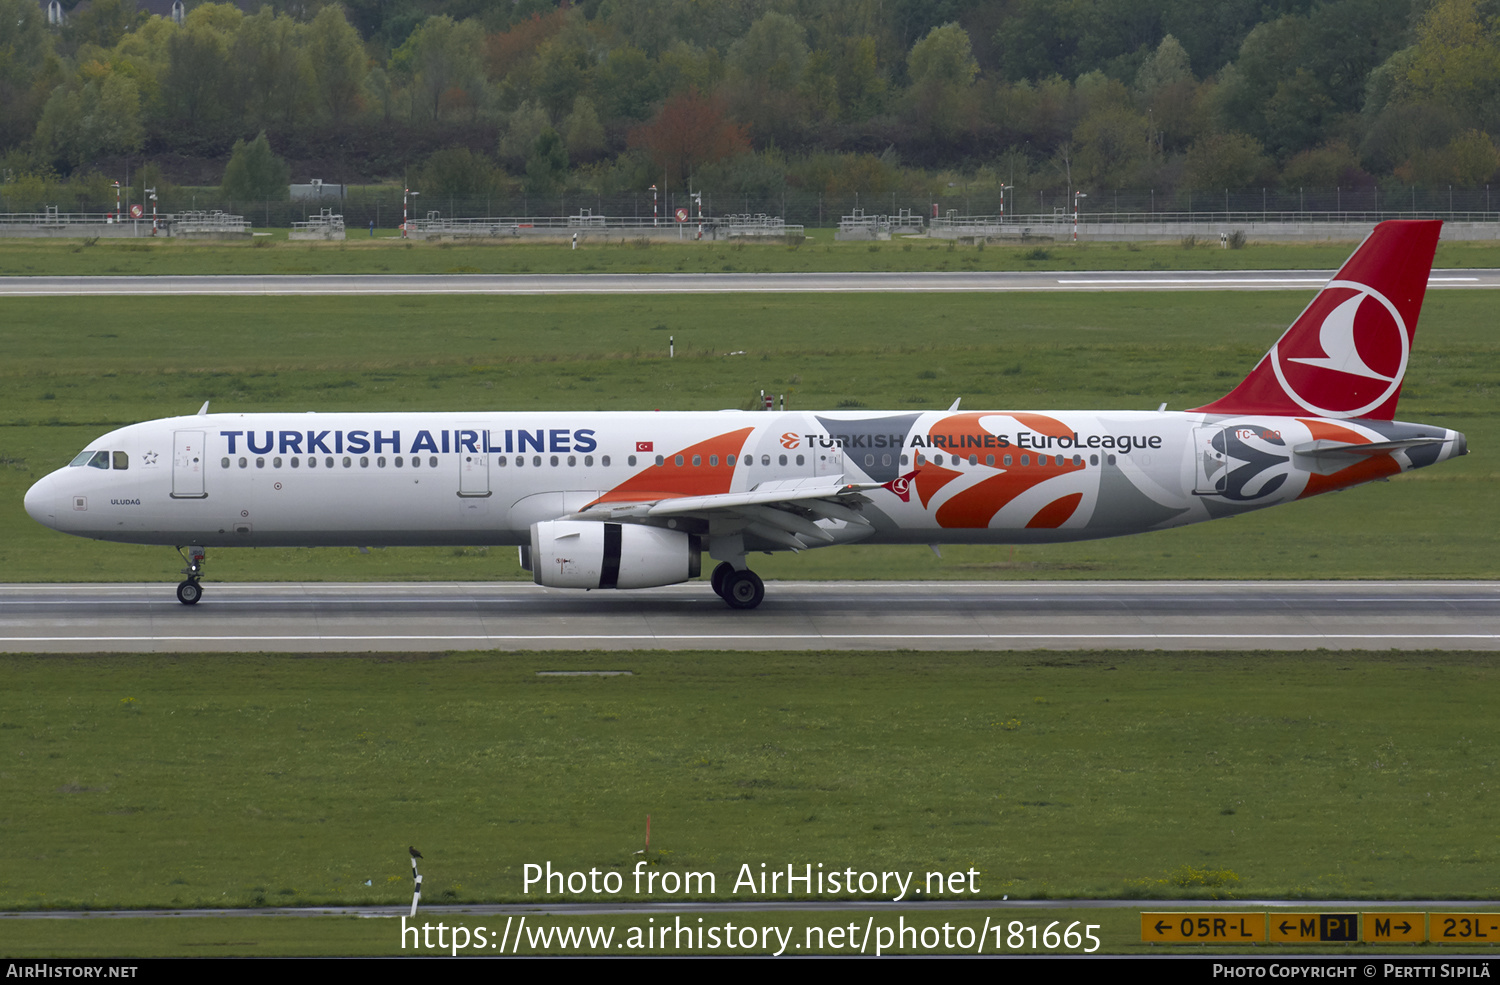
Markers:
589,554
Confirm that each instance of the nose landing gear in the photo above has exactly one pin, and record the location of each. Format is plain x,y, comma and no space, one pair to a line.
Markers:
190,590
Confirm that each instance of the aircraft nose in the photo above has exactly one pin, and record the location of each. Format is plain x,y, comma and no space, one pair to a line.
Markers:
41,501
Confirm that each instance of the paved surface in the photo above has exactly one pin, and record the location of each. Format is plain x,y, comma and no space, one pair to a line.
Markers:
1250,280
332,618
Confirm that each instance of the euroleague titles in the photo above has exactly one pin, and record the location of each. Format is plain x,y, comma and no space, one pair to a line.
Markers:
1119,444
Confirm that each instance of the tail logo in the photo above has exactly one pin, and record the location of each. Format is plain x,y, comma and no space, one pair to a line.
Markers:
901,486
1362,336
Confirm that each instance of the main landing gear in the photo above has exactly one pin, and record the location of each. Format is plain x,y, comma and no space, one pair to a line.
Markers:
741,588
190,590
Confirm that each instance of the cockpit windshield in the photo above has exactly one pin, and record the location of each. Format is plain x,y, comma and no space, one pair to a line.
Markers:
100,460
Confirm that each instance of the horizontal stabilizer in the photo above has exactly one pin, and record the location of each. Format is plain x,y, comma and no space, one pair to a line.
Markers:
1325,446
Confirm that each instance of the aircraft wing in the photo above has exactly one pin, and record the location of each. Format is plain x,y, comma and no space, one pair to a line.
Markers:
785,511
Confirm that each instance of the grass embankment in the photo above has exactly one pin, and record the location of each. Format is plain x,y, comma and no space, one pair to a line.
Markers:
819,254
77,367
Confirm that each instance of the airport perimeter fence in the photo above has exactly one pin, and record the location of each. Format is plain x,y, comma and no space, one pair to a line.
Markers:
382,205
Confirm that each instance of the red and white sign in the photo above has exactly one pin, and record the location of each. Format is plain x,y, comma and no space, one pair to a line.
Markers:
136,212
682,215
644,446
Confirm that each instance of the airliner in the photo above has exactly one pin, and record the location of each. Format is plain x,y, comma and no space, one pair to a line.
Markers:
634,500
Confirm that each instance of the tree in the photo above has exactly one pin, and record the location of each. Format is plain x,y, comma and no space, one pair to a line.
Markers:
1111,144
338,62
456,172
1326,166
276,74
25,48
1457,58
198,85
765,69
440,55
690,130
942,68
103,23
560,73
585,134
526,124
82,121
943,58
1226,160
627,84
1168,65
547,167
1166,90
772,54
254,173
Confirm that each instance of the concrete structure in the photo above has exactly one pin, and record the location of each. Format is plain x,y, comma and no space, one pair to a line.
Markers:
53,224
595,228
326,225
209,225
1208,227
859,226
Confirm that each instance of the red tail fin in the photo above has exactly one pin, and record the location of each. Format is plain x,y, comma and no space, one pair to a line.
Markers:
1346,353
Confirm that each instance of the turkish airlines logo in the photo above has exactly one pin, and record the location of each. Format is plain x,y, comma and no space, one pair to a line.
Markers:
902,486
790,440
1354,362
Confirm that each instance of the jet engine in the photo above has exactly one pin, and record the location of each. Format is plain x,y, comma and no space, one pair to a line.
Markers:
590,554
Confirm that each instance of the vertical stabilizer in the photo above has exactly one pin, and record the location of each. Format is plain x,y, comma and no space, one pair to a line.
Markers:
1346,354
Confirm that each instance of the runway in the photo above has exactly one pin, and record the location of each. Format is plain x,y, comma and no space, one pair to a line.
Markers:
354,618
520,284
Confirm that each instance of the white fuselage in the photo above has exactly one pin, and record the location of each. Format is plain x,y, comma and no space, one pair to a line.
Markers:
486,478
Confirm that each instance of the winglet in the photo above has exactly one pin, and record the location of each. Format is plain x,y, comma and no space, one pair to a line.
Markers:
203,411
1347,352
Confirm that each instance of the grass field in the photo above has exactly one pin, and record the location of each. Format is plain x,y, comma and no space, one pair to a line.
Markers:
77,367
820,253
154,781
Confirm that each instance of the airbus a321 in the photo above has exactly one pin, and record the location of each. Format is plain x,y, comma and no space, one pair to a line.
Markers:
634,500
